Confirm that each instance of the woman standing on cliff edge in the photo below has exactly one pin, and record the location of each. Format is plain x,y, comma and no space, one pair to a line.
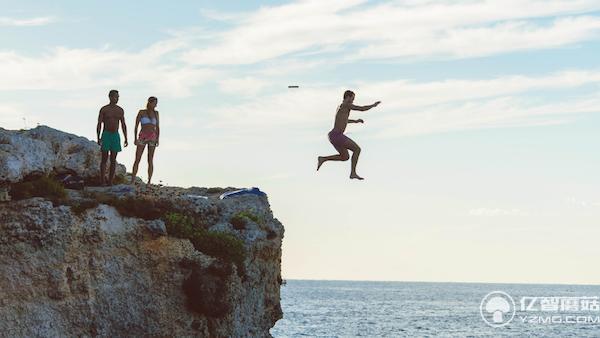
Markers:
149,135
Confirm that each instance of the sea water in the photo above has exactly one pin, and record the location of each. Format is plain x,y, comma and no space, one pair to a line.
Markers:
416,309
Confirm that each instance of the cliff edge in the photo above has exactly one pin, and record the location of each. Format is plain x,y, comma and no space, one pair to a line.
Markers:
127,261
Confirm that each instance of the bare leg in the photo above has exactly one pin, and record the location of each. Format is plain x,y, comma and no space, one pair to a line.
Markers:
103,167
342,156
355,154
354,161
113,166
150,162
139,151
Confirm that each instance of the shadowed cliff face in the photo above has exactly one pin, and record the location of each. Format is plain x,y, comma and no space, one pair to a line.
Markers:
67,272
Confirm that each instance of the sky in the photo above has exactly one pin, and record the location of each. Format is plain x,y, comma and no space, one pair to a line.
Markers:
481,163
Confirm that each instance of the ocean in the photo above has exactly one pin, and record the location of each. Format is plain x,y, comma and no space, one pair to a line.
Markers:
419,309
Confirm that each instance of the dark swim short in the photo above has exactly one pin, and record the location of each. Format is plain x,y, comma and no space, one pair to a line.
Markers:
338,140
111,141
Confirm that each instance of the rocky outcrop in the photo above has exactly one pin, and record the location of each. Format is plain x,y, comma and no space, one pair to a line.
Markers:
95,272
45,150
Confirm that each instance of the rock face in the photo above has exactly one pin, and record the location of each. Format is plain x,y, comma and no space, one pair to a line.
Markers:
45,150
98,273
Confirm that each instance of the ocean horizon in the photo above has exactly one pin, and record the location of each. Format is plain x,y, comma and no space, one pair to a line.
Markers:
337,308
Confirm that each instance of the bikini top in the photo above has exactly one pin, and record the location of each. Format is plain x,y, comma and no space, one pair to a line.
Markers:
146,120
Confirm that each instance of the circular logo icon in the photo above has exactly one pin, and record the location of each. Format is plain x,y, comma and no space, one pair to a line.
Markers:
497,308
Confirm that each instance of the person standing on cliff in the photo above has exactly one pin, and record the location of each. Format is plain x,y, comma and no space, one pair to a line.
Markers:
110,142
148,136
341,142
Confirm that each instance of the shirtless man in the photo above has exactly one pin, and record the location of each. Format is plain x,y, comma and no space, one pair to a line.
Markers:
110,115
341,142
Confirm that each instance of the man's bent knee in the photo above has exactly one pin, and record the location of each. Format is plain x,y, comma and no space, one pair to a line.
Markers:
345,156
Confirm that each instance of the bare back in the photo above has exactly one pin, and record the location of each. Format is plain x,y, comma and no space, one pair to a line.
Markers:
111,115
341,118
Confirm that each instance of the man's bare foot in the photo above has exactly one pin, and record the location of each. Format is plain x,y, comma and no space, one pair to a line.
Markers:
355,176
320,162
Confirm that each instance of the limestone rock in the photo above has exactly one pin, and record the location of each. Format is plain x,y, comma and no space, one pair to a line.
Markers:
101,274
65,272
157,226
45,150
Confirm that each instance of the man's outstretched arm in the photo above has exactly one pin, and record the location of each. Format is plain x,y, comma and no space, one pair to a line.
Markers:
363,108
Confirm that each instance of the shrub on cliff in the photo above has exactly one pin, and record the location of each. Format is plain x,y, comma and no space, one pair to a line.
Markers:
145,208
43,186
215,190
240,219
217,244
79,207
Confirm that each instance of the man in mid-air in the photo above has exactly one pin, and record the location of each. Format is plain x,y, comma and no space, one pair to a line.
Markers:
341,142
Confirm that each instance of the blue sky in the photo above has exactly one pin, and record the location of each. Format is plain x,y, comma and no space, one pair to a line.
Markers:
480,163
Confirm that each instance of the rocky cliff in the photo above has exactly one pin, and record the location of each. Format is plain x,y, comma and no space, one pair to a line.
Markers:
122,261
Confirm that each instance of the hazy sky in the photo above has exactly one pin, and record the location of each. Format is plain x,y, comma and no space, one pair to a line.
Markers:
481,164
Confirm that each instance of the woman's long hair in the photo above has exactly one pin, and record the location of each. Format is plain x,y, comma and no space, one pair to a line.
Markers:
151,99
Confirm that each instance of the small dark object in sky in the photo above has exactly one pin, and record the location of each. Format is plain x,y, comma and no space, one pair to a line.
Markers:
293,86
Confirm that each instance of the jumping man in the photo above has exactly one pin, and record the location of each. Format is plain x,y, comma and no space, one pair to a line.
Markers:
341,142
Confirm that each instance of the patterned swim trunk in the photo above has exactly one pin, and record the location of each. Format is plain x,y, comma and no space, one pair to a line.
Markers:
148,138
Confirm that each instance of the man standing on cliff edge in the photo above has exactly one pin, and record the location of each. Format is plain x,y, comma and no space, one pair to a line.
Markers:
110,115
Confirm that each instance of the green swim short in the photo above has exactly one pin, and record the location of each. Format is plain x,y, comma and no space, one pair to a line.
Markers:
111,141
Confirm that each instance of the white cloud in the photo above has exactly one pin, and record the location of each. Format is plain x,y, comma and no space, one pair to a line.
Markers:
285,67
410,108
405,94
303,106
13,116
247,86
75,69
400,29
39,21
494,212
318,29
482,41
579,203
492,113
219,15
277,36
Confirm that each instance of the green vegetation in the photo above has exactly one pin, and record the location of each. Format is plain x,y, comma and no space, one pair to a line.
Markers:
179,224
215,190
145,208
79,207
95,181
217,244
43,186
240,219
